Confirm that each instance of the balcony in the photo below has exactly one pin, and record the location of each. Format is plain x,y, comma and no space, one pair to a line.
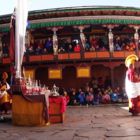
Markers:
73,56
63,56
122,54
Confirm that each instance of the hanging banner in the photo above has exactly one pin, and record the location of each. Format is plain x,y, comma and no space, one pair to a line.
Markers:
55,73
21,16
30,73
83,72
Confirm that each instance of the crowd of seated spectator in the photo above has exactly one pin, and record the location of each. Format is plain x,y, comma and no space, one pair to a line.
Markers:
94,92
92,43
40,47
98,44
124,43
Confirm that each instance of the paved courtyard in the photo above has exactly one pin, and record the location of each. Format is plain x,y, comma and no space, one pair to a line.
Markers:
105,122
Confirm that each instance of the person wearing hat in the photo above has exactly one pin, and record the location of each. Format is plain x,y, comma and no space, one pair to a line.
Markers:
132,84
5,99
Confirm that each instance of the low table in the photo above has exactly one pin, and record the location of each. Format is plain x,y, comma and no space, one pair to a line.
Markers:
57,108
29,110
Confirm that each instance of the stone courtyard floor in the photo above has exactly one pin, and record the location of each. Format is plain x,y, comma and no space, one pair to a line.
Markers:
104,122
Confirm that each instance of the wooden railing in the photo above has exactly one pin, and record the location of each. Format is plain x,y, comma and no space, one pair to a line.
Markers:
73,56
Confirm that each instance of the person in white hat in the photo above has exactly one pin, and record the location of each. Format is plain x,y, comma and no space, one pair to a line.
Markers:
132,84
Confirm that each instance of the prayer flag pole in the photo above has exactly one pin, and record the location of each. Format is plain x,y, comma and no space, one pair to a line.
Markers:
21,22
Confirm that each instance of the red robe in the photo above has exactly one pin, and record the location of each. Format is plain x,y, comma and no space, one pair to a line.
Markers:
5,98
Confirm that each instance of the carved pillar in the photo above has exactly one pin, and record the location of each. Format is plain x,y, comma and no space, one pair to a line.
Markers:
82,36
55,41
28,38
110,37
136,37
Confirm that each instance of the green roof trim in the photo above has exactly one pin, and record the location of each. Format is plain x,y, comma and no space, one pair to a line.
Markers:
81,22
77,22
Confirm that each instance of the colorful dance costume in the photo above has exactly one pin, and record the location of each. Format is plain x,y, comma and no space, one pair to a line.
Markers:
132,85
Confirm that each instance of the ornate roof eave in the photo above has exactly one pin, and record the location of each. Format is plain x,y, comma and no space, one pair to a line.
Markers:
83,8
77,11
81,20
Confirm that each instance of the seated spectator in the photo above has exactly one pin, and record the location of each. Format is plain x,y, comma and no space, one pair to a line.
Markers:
66,45
38,49
105,98
73,100
70,48
49,45
94,44
89,96
132,46
44,51
97,96
100,95
81,97
114,97
61,50
77,47
92,49
87,46
117,47
30,50
109,90
120,94
103,48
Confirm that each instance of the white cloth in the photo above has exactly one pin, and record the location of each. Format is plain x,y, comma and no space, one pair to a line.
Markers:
132,88
2,93
7,86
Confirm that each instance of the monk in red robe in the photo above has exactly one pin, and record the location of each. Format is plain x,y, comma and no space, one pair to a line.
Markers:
5,98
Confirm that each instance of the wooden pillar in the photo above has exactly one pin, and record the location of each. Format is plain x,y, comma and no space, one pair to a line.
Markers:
136,37
110,37
55,41
28,38
82,36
